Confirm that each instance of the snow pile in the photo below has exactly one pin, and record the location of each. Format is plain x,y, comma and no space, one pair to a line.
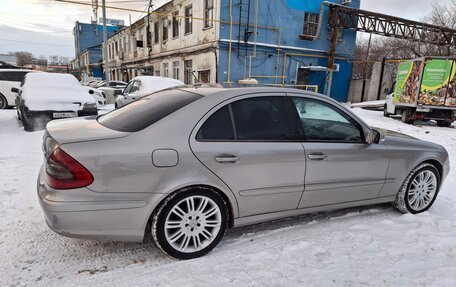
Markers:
152,84
374,246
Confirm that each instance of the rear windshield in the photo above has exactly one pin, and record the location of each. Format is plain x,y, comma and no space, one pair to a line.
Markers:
146,111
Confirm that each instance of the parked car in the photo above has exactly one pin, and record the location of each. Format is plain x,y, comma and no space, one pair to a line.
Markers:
42,97
142,86
99,96
10,78
204,160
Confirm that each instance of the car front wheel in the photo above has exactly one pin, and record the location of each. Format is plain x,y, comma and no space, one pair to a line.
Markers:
3,102
190,223
419,190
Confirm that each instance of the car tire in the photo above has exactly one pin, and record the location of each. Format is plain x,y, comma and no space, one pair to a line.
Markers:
190,223
405,117
444,123
115,106
3,102
419,190
28,123
385,112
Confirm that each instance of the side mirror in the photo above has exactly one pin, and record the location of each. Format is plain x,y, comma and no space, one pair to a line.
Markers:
373,136
15,90
91,92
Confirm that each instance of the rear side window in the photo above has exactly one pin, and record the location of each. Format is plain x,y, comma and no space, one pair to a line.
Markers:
261,118
146,111
13,76
254,119
217,127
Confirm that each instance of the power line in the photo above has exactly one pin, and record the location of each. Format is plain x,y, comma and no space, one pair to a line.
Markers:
36,43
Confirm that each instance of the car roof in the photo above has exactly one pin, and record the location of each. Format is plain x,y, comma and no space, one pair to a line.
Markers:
207,91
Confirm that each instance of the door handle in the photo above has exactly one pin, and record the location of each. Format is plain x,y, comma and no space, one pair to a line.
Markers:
226,159
317,156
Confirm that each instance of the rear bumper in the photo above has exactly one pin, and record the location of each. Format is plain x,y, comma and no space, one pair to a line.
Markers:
82,213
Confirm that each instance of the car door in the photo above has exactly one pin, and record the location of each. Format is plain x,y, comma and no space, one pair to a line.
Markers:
341,165
248,143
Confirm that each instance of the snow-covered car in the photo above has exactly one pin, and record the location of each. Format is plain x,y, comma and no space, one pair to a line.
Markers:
42,97
99,96
10,78
142,86
201,160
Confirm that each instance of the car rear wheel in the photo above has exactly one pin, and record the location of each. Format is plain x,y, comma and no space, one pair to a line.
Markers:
3,102
190,223
385,112
405,117
28,123
444,123
419,190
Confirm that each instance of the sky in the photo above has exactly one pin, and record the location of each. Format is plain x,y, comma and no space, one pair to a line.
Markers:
44,27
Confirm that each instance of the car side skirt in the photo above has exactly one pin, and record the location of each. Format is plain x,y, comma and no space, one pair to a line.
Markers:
243,221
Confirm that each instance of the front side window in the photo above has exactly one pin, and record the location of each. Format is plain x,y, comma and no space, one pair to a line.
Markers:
188,19
323,122
208,13
128,87
135,87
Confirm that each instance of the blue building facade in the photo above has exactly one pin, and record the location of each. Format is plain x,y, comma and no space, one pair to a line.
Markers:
88,39
291,46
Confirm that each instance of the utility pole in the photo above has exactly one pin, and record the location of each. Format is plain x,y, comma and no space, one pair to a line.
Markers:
105,43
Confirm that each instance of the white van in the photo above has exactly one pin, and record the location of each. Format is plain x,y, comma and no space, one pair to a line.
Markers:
10,78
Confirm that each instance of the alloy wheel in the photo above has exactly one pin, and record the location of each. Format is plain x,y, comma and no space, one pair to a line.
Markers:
422,190
192,224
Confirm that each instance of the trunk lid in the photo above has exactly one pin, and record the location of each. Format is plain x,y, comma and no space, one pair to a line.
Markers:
81,130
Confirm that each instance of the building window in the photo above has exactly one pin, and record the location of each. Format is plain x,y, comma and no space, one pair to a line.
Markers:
188,72
165,70
208,13
176,70
175,25
188,19
204,76
165,29
156,32
310,25
157,72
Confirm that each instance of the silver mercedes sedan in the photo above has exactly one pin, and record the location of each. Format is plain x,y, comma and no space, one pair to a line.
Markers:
182,165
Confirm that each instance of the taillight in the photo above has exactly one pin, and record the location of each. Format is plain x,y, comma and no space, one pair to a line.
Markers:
64,172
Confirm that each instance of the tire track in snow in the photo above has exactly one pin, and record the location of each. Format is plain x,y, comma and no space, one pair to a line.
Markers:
232,248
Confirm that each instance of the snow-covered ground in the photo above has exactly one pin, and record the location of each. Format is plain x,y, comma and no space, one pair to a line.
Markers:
362,246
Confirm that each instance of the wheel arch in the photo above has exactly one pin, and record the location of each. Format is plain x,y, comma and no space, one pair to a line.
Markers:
232,206
437,165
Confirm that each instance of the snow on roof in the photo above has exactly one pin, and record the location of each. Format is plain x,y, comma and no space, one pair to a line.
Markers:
151,84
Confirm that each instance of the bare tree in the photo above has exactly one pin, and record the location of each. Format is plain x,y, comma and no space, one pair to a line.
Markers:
392,48
23,58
